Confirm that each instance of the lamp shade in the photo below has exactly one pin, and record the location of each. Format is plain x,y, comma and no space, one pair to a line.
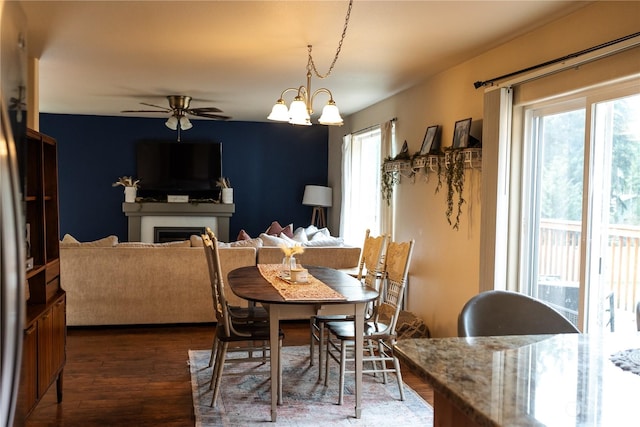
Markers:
317,195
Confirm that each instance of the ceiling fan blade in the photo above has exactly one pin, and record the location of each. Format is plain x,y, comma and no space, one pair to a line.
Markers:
205,110
156,106
211,116
145,111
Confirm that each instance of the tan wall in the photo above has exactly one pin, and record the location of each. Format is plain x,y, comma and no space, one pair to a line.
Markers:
445,268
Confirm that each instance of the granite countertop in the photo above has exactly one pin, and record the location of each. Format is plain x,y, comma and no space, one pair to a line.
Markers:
551,380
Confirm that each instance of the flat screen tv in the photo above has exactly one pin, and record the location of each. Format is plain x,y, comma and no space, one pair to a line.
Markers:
179,168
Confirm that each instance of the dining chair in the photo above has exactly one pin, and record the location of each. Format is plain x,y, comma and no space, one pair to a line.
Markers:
248,337
239,314
497,313
369,273
380,330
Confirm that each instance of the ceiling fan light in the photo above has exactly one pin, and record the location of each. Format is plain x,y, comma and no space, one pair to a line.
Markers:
331,115
172,123
185,124
279,112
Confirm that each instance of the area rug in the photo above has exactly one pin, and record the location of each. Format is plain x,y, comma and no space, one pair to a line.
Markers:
245,400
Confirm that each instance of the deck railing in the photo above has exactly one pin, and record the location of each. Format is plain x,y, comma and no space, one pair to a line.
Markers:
559,259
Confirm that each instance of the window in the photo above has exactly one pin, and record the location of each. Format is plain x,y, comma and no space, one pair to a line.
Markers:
361,207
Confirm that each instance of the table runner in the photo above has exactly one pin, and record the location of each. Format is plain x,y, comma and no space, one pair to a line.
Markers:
313,290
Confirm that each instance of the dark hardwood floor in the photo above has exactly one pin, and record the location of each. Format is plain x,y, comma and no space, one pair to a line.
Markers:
138,376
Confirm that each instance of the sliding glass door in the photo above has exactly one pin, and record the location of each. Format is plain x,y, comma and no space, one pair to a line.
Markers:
580,230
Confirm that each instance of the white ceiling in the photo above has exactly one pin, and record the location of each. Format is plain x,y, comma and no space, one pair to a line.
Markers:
101,57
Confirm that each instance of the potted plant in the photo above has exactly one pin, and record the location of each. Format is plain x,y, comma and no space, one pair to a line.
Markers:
130,187
226,192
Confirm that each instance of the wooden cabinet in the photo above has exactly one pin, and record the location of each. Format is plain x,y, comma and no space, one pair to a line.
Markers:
44,347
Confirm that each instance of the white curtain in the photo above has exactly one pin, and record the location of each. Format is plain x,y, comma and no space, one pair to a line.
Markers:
388,131
346,182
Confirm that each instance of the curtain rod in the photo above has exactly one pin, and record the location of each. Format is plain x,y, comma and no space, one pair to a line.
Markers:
395,119
479,84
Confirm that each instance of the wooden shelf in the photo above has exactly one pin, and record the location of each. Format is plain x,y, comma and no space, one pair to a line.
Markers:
44,346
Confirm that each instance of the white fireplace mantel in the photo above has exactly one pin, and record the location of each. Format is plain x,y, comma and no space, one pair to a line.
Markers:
143,217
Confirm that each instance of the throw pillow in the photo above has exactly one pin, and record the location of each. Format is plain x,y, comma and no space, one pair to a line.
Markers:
255,243
178,243
321,240
274,229
196,241
311,230
300,235
288,231
243,235
268,240
105,242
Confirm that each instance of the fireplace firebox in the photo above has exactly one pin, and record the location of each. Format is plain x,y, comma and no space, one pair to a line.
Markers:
172,234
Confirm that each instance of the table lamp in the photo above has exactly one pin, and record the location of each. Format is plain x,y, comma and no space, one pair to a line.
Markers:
319,197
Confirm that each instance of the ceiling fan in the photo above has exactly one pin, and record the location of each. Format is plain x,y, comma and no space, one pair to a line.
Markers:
178,111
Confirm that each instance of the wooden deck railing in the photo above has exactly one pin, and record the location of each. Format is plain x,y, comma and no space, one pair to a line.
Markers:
559,258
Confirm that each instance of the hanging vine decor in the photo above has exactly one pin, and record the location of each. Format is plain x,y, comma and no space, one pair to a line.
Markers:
454,177
389,178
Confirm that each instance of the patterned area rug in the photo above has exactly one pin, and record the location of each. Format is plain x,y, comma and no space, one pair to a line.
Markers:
245,400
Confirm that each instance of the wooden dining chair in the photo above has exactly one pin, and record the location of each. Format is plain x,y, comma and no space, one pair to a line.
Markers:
370,271
249,337
250,313
379,331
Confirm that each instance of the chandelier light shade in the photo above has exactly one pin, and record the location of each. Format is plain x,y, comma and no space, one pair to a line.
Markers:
330,115
319,197
279,112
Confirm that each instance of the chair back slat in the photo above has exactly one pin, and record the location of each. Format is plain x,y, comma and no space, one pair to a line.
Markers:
373,253
397,260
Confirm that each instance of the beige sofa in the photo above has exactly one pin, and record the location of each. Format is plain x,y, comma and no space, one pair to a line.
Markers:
126,285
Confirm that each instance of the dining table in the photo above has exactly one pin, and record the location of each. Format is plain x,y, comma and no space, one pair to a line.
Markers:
530,380
327,291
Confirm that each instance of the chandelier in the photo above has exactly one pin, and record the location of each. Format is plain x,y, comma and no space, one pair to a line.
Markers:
301,108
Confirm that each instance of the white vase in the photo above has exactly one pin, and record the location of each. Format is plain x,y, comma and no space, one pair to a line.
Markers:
227,195
130,194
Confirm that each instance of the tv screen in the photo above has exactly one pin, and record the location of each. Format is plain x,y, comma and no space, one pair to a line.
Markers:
179,168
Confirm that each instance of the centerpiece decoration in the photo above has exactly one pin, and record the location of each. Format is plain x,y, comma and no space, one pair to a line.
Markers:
289,261
130,187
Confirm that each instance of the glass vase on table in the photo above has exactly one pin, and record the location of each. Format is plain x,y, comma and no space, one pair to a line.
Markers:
288,263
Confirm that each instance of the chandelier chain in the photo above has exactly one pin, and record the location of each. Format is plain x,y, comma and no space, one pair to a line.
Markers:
311,64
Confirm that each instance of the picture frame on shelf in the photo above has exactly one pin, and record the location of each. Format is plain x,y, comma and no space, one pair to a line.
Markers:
461,133
430,140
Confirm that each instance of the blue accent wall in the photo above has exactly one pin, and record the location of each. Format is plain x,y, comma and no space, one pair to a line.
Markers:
268,165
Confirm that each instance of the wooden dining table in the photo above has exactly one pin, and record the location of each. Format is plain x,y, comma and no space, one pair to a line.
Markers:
249,283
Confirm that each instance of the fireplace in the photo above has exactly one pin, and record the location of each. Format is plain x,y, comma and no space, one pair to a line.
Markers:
144,218
172,234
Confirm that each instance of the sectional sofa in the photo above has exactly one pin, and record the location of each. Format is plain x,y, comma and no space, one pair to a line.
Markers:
111,283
